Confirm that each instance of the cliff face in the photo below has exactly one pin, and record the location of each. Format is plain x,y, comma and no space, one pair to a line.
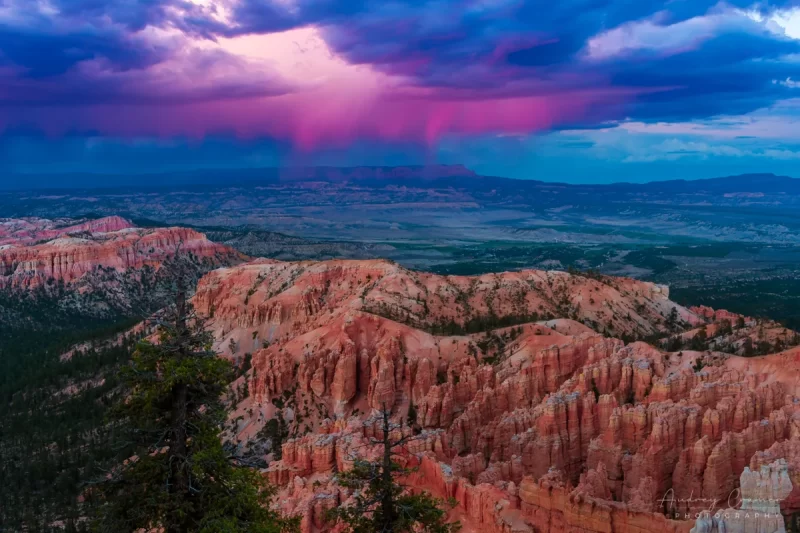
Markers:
526,415
35,251
27,231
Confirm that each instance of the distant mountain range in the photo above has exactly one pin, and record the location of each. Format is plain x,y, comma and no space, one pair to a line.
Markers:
766,183
456,176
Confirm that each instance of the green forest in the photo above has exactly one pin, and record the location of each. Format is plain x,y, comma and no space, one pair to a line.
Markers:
52,438
105,429
54,431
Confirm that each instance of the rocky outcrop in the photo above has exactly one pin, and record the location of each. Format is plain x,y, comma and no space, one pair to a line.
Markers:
788,451
41,254
552,507
541,425
758,509
279,298
27,231
716,315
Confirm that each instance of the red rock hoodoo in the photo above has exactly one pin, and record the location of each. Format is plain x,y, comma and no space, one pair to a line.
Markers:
535,406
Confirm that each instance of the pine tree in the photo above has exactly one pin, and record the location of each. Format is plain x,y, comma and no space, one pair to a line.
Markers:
381,504
700,340
180,479
673,319
748,350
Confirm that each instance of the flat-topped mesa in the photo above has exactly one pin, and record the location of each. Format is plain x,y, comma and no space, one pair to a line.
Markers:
43,252
524,411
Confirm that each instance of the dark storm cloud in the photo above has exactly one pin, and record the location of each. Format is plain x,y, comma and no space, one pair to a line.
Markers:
459,49
536,47
98,52
38,53
731,74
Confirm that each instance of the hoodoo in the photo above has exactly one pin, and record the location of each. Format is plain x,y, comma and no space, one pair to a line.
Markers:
534,402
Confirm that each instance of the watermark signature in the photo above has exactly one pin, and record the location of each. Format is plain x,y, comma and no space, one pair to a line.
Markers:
707,507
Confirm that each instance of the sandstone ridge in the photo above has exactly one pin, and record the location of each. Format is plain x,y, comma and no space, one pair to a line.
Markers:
34,252
535,401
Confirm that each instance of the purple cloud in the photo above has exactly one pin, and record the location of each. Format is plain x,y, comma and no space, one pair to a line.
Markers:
410,70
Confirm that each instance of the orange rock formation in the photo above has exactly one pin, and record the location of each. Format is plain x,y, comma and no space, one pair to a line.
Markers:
529,412
33,251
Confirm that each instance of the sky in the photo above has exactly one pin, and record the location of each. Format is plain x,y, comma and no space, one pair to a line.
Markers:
568,90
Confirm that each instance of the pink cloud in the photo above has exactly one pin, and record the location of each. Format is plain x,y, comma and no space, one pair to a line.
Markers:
331,117
323,100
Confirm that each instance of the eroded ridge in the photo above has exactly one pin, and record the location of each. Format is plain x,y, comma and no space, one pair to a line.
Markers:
533,403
